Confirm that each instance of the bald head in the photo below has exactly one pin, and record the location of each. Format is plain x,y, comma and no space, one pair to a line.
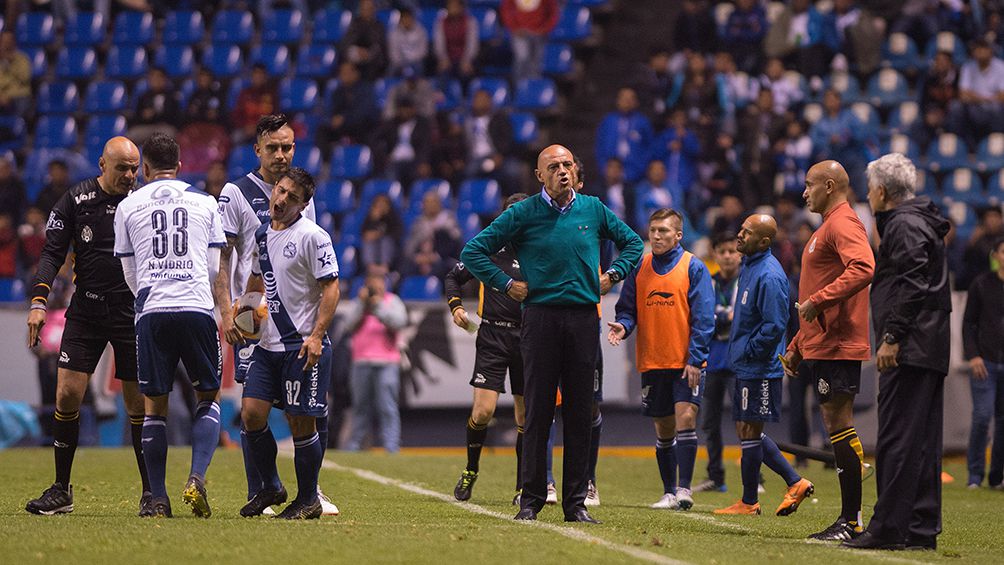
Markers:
826,186
119,163
556,170
757,234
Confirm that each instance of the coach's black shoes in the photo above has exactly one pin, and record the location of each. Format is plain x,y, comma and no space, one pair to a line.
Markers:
144,499
194,495
156,507
868,540
54,500
465,485
841,530
526,514
301,511
582,515
262,500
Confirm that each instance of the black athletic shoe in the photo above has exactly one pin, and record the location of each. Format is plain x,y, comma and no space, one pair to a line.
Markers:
301,511
54,500
156,507
194,495
262,500
841,530
465,485
144,499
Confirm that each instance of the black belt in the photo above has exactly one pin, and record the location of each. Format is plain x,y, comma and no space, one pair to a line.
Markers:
501,324
107,298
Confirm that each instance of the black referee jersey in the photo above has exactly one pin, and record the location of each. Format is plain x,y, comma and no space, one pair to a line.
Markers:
493,305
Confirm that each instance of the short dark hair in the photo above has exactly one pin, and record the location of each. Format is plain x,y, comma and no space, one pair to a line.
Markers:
270,123
161,152
58,163
303,179
518,197
580,171
722,238
665,213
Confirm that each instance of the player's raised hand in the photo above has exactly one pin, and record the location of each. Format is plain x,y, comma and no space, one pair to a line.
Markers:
311,348
518,291
616,333
460,318
36,319
230,331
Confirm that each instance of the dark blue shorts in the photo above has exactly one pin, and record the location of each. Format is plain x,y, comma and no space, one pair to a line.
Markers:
278,377
757,400
164,338
662,389
242,358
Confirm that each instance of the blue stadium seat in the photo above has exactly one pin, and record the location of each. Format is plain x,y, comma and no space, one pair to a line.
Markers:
178,61
470,226
308,158
903,117
232,27
422,289
488,22
498,87
242,159
812,112
104,97
846,84
428,17
537,95
57,98
524,128
963,216
126,62
37,59
55,132
100,129
76,63
963,185
316,61
12,290
351,228
373,187
574,24
336,196
330,25
946,41
389,18
900,143
558,59
995,188
480,196
867,114
346,257
298,95
888,88
35,29
927,185
275,57
224,61
382,88
351,162
947,153
282,26
183,27
900,52
990,153
453,96
18,133
133,28
421,187
85,29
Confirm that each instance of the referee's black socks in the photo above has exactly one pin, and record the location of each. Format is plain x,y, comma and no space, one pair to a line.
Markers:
476,434
848,454
136,432
65,436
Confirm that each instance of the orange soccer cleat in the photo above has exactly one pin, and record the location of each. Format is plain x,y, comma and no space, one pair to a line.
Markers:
740,508
794,496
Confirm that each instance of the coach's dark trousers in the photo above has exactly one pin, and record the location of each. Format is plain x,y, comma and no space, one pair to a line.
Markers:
559,348
716,386
908,455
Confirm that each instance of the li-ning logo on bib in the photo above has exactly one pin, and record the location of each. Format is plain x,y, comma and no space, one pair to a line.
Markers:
660,298
812,246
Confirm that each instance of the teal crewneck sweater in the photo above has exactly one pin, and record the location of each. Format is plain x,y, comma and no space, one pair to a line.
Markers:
559,254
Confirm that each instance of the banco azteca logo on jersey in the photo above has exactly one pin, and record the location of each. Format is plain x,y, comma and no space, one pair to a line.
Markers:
660,298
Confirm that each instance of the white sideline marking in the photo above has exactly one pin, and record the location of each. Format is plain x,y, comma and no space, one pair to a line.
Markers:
571,533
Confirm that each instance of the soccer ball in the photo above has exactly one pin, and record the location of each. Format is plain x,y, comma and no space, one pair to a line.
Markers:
250,311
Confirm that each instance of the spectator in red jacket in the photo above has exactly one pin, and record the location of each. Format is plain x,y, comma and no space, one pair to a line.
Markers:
455,41
253,102
529,22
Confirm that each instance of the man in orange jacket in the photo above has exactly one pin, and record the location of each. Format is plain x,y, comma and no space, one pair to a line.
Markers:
832,340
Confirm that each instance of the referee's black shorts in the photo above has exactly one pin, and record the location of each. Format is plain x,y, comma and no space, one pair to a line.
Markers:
497,353
831,376
93,322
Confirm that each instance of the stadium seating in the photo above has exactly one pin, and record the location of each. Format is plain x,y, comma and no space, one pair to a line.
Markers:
524,128
558,59
275,58
903,117
421,289
867,114
316,61
105,97
35,29
126,62
350,232
242,159
887,88
963,216
36,57
224,61
536,95
428,17
12,290
389,18
346,257
16,129
480,196
963,185
927,185
470,226
946,41
812,112
232,27
990,153
420,188
282,26
488,22
498,87
900,53
900,143
76,63
178,61
308,158
948,152
85,29
100,129
844,83
330,25
574,24
382,88
55,132
336,196
453,96
374,187
133,28
995,188
57,98
354,162
298,95
183,27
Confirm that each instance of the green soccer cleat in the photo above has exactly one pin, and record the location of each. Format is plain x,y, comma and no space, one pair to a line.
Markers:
465,485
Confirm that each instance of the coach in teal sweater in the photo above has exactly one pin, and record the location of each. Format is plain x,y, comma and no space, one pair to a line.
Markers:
556,237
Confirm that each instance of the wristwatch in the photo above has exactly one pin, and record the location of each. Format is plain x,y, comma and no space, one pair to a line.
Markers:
890,339
615,277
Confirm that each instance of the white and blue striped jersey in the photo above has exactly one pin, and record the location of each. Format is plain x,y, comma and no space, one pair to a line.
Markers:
244,205
292,262
169,226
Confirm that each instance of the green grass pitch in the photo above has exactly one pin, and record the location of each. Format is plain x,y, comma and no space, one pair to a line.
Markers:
396,521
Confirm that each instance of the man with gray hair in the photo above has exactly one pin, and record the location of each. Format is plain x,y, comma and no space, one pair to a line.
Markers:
911,305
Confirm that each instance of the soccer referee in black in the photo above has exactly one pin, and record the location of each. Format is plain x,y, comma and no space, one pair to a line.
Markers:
557,237
101,311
